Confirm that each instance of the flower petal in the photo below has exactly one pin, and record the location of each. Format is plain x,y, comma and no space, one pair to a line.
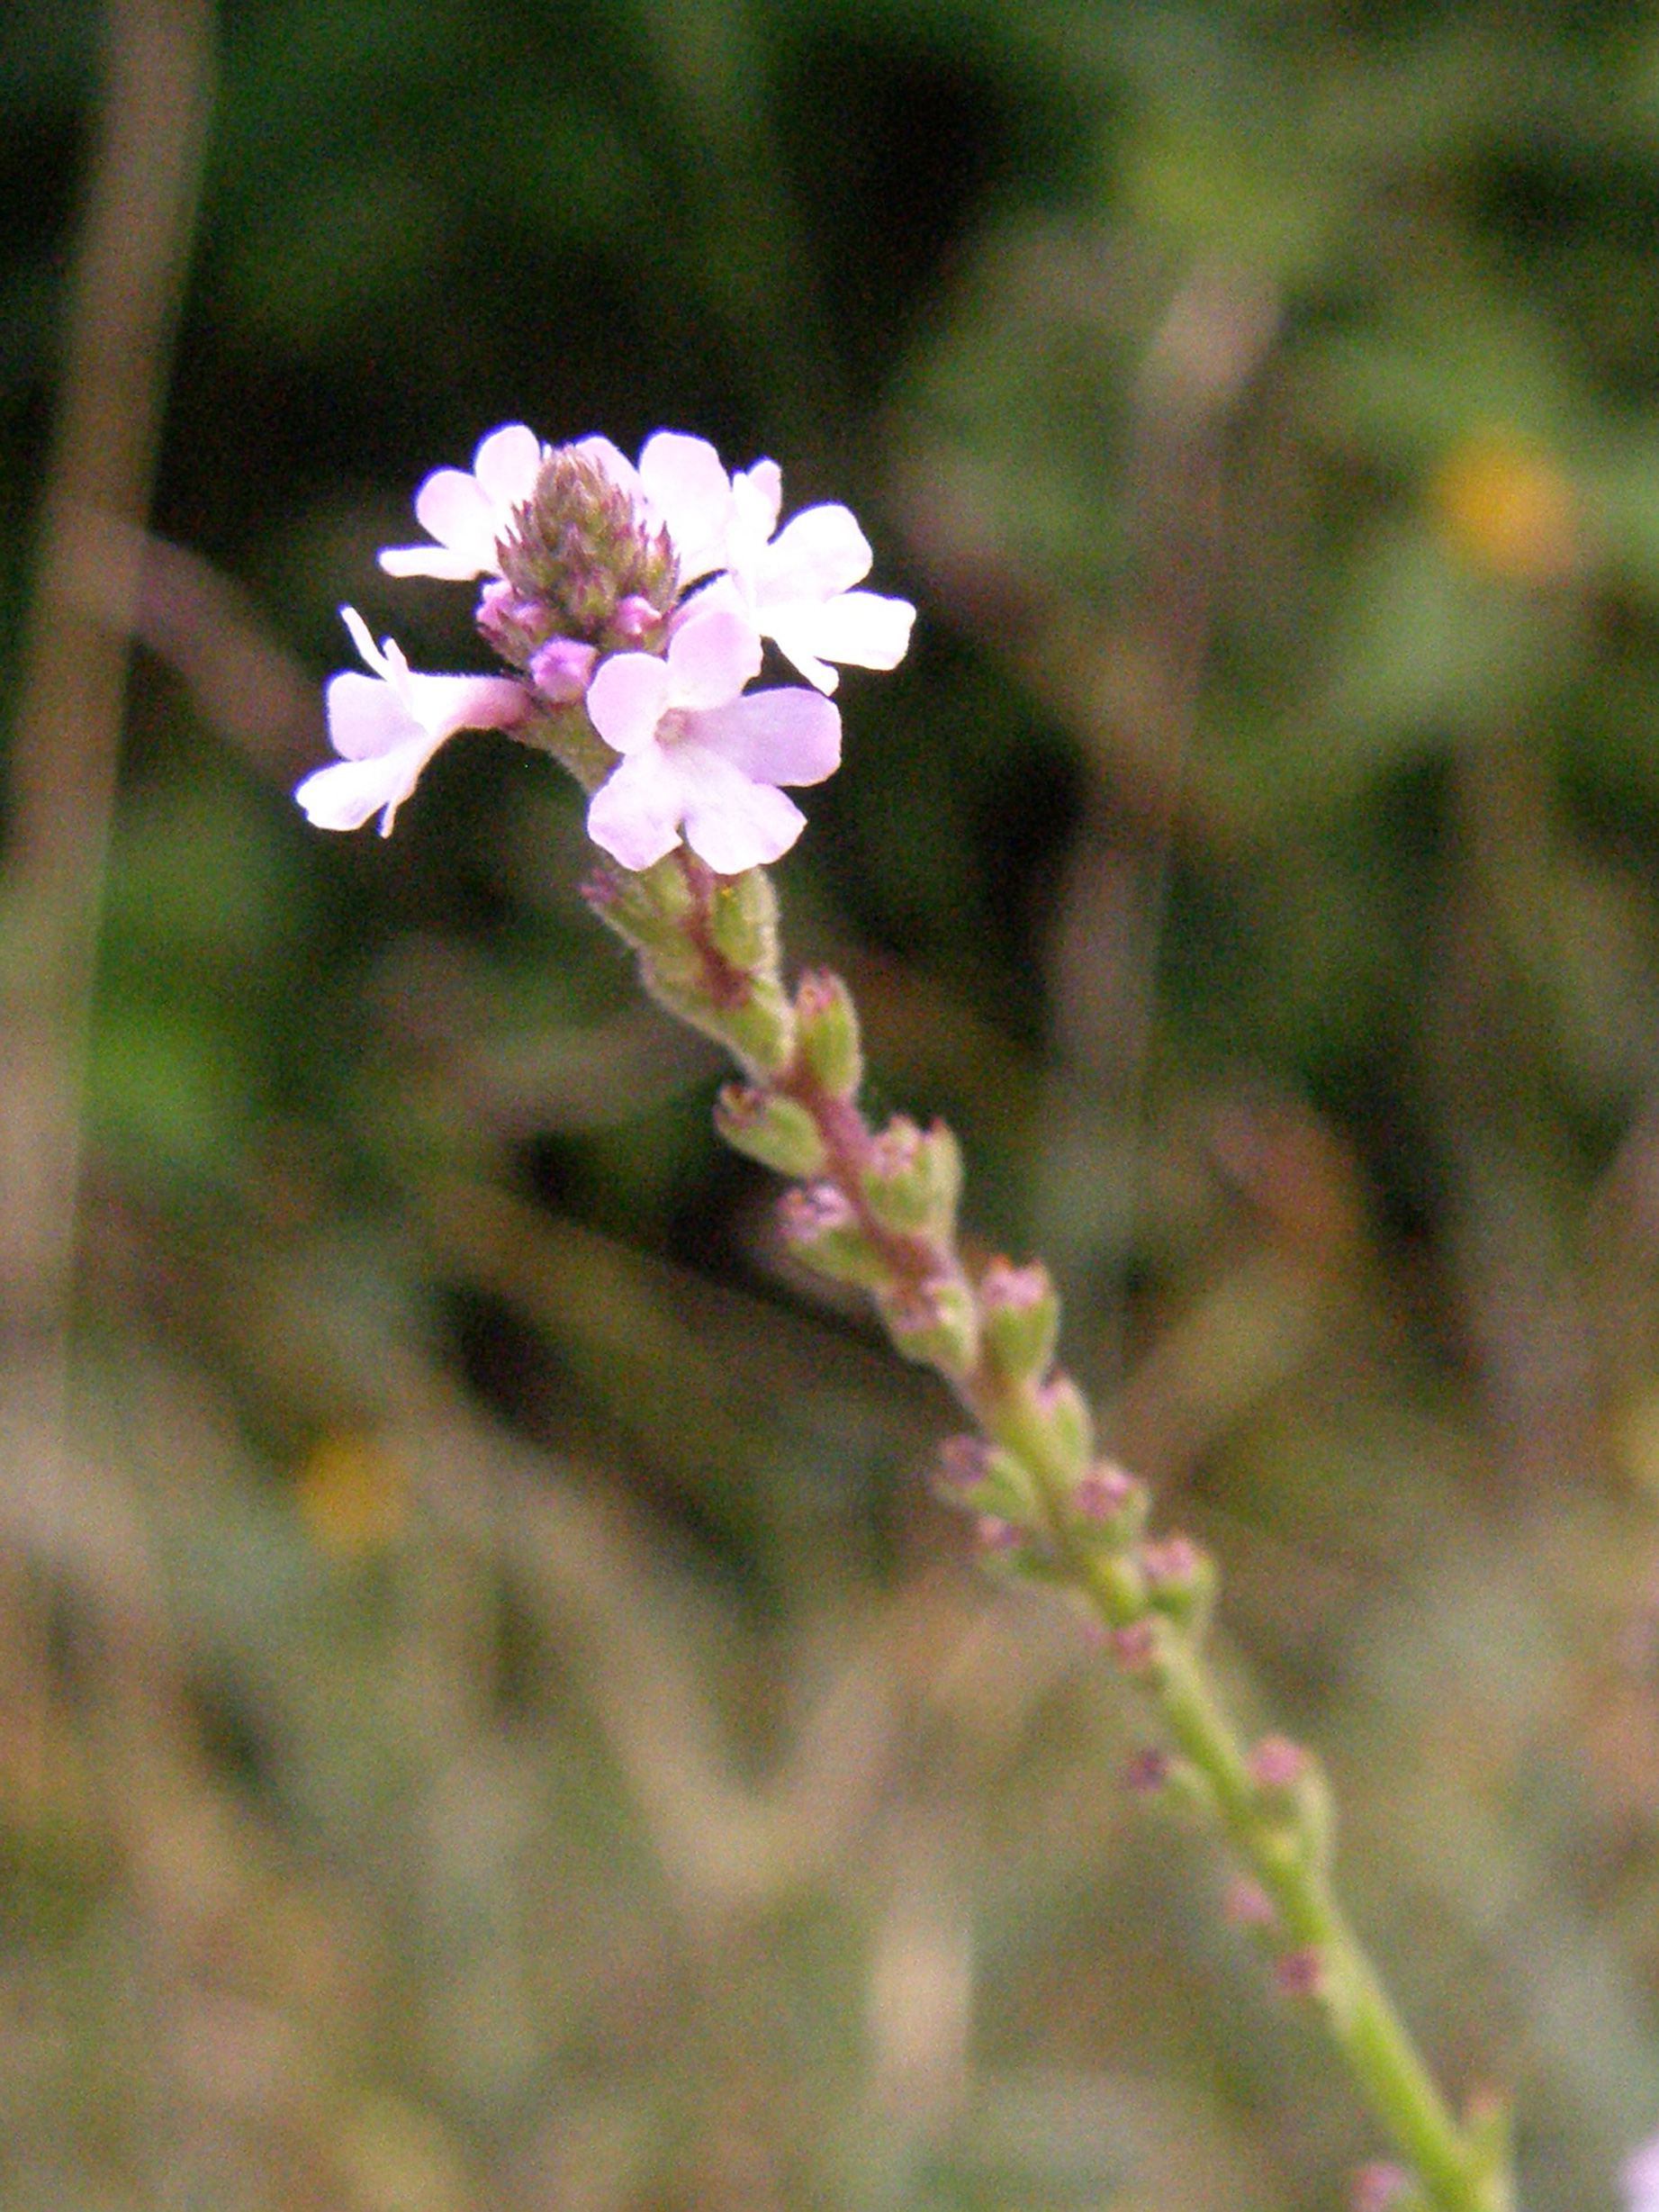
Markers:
444,704
451,567
626,700
344,795
757,496
685,482
453,507
712,655
779,736
508,463
823,550
863,629
367,718
730,822
635,814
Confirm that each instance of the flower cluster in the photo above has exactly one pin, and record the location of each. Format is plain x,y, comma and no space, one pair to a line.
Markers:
641,598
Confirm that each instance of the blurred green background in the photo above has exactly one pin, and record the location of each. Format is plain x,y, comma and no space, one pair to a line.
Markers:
491,1717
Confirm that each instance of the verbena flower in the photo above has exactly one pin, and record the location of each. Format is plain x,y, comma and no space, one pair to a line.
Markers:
468,513
700,759
1638,2178
388,726
795,585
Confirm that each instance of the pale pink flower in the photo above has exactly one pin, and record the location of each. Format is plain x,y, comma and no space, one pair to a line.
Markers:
699,760
1638,2178
388,726
468,513
795,585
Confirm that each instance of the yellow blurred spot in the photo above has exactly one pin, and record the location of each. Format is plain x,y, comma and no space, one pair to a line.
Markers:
1507,508
350,1495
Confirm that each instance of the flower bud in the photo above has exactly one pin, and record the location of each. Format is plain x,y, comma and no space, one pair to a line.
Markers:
827,1034
933,1323
1111,1499
984,1479
1180,1578
823,1230
777,1132
1068,1423
582,564
1019,1308
561,668
914,1179
743,921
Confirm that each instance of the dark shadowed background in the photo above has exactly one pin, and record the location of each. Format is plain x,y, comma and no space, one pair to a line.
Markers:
491,1719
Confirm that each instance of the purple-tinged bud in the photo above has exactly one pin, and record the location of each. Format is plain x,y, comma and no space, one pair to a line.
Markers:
964,1462
934,1323
635,618
1377,2185
822,1229
1113,1500
1276,1763
1247,1904
1180,1578
561,668
1300,1973
1149,1770
914,1178
1135,1647
996,1535
578,551
984,1479
1020,1310
1067,1424
777,1132
827,1033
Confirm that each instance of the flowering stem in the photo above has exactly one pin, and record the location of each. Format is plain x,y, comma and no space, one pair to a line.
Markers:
877,1208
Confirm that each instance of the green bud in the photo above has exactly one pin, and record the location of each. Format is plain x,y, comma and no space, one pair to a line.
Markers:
1019,1310
914,1178
1067,1425
984,1478
827,1033
934,1323
743,921
822,1229
1180,1579
1111,1501
581,563
777,1132
761,1031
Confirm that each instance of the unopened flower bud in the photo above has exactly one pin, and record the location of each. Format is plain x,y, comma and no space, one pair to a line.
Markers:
827,1034
914,1178
577,555
934,1323
561,668
743,921
1379,2185
1299,1972
1180,1578
1247,1904
996,1535
822,1229
1149,1770
1113,1500
984,1478
1135,1647
1019,1308
1276,1763
777,1132
1068,1423
635,618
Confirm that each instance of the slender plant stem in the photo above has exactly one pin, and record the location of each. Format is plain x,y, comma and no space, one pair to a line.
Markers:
878,1208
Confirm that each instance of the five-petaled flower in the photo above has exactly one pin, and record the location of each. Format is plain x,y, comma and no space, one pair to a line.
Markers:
387,727
570,539
698,758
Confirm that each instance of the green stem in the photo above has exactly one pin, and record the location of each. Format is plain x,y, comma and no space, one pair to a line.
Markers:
708,951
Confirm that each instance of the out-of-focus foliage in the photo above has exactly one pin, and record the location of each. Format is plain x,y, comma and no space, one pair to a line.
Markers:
518,1734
